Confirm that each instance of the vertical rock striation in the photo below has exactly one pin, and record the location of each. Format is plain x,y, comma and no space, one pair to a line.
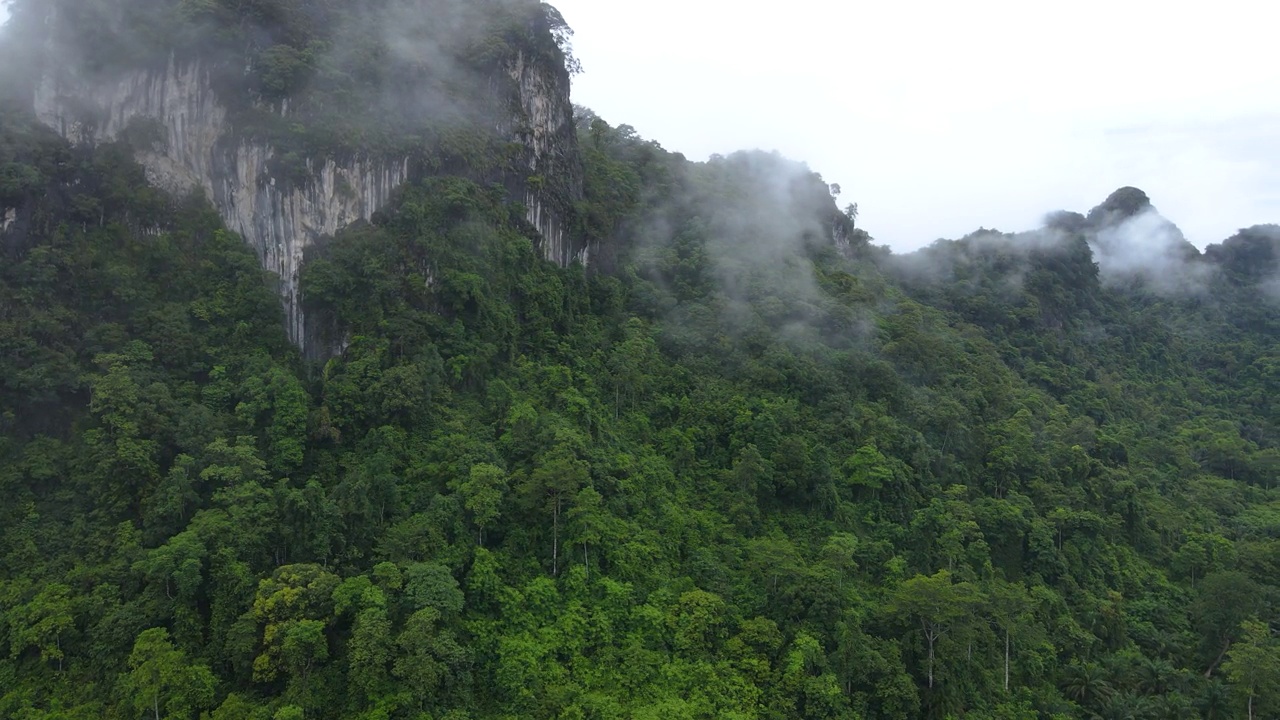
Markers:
545,127
184,136
198,150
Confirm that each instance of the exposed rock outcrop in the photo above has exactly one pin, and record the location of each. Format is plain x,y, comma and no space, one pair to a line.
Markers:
545,127
198,149
191,144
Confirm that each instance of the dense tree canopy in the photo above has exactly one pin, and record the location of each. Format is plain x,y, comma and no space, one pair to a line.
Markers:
746,466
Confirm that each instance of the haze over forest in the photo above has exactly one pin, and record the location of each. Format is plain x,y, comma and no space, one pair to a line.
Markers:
983,117
942,118
349,368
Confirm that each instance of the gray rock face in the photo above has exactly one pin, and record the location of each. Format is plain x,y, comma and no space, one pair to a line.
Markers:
197,151
546,129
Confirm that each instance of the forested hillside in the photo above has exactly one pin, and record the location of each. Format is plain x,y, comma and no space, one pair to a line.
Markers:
744,464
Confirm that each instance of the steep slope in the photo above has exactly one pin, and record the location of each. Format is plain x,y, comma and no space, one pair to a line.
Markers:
749,466
259,141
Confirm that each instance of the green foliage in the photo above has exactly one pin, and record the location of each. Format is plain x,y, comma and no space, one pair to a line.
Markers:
736,472
1253,666
161,683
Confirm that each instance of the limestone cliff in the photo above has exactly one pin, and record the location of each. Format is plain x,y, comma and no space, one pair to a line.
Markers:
194,145
197,150
544,125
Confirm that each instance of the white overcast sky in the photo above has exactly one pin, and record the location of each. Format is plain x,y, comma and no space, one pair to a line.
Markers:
940,117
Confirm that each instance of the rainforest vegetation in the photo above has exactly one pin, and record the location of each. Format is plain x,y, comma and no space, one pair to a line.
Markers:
746,465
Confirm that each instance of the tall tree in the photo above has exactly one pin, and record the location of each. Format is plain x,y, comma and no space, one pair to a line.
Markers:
1011,606
937,603
1253,666
162,683
482,494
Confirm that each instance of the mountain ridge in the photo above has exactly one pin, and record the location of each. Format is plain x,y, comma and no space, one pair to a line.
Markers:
742,463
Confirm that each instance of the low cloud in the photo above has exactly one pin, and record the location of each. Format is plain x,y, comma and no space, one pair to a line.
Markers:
1149,249
737,237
